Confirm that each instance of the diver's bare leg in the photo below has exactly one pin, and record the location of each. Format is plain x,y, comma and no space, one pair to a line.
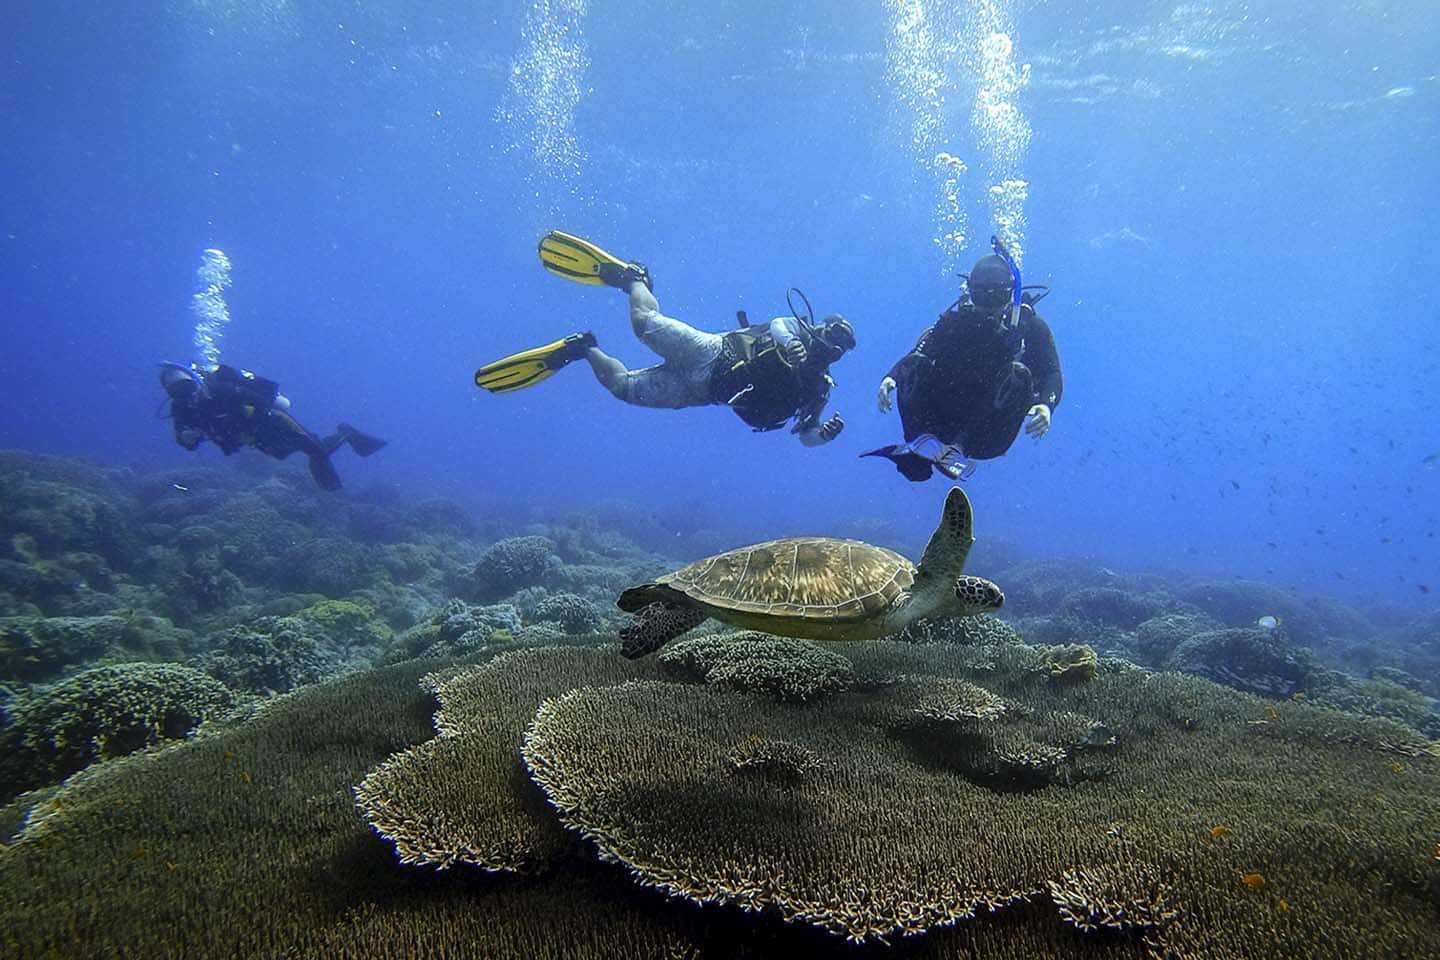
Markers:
611,372
643,307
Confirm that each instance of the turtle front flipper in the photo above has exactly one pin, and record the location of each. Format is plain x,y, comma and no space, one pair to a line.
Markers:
656,625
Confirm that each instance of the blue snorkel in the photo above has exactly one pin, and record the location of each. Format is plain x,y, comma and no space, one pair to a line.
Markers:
1015,290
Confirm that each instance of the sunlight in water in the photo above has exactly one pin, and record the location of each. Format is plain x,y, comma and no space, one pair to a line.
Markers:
936,47
1002,132
546,84
207,304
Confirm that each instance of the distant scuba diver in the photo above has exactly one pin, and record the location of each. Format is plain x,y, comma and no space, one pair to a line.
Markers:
974,376
235,408
768,374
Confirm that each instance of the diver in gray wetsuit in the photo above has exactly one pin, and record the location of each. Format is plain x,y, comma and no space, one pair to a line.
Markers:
769,375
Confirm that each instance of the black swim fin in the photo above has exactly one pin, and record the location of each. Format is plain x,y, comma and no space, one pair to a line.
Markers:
324,472
912,466
362,443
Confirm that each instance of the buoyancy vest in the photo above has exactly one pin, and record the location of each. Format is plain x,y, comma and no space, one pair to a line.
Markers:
755,380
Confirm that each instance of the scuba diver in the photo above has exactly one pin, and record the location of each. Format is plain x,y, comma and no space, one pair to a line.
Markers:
235,408
770,374
974,376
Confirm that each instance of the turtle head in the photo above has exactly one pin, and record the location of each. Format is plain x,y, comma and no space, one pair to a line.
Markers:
941,586
977,595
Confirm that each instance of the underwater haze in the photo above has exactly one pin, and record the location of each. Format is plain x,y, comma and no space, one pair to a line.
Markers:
1233,204
427,688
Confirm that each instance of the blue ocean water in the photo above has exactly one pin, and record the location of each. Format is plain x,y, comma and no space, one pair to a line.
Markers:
1233,204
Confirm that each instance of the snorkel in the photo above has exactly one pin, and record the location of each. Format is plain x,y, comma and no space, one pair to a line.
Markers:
1004,254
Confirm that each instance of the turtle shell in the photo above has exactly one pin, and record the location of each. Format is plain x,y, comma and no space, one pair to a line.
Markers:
809,578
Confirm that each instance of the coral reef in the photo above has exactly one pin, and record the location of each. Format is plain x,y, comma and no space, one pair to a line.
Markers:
1240,603
573,613
1377,696
775,759
1251,659
1071,663
464,797
788,670
1157,638
931,848
1117,898
275,654
1000,799
453,630
983,629
100,714
327,565
1039,586
267,656
39,648
510,564
1112,607
245,842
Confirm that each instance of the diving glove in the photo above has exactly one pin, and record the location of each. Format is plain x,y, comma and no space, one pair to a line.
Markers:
621,276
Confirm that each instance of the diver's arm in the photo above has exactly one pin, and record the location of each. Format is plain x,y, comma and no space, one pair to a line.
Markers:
187,434
808,427
789,344
1043,359
904,375
814,434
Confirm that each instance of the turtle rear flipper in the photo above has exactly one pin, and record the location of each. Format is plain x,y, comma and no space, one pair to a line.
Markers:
656,625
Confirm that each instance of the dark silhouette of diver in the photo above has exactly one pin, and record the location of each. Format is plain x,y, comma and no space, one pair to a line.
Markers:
234,408
974,376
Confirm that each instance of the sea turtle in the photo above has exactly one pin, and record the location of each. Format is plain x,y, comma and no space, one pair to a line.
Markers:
814,587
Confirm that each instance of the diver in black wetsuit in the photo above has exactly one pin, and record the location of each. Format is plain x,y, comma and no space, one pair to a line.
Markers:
974,376
235,408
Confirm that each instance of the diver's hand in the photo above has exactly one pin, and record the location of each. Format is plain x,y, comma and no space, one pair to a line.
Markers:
887,387
831,428
1039,424
795,353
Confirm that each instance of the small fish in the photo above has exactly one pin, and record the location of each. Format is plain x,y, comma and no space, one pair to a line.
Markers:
245,777
1431,460
1298,696
1234,484
1268,622
1272,713
181,487
1424,587
1282,905
1219,832
1253,880
1396,767
1437,851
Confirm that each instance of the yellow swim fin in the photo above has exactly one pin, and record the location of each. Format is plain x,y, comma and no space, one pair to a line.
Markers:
566,255
529,367
570,257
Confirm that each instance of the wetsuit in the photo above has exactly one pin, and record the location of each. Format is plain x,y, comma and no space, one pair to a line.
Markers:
700,368
236,408
969,383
